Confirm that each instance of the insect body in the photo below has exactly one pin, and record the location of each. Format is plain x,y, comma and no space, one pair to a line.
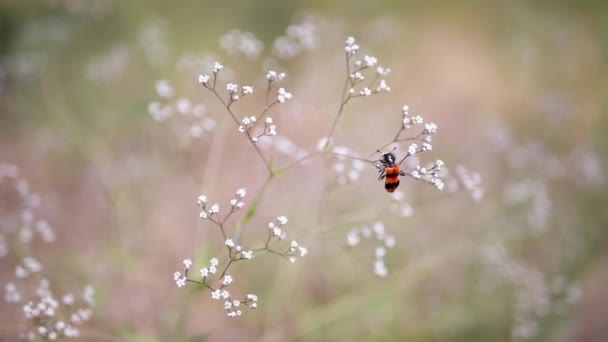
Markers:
390,171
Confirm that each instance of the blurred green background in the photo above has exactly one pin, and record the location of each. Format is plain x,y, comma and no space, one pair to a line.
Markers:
518,89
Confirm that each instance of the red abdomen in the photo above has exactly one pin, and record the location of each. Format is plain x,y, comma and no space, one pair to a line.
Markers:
392,178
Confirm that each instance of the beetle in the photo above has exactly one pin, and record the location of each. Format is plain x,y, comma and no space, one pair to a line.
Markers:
389,170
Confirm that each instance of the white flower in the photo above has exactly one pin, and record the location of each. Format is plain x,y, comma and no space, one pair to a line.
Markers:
365,92
68,299
277,232
427,147
351,91
351,48
406,109
439,163
21,272
164,89
204,272
282,220
383,87
216,294
247,90
430,128
32,264
230,243
232,87
240,193
438,183
203,79
203,215
389,241
187,263
417,119
60,325
412,149
180,281
370,61
303,251
283,95
353,238
357,77
217,67
380,269
214,262
225,294
273,76
247,255
294,244
227,280
292,260
214,209
383,71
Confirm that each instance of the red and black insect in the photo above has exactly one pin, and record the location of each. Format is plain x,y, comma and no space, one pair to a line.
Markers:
390,171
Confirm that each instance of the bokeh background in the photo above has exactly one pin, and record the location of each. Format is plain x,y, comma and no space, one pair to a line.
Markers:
517,88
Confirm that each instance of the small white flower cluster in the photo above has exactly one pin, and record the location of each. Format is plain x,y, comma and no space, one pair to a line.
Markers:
207,213
28,203
298,38
46,312
378,231
181,279
273,76
296,250
233,90
237,252
236,201
191,115
283,96
232,306
40,306
205,78
248,123
408,120
359,67
212,269
430,175
236,42
30,265
275,227
400,206
269,127
346,170
235,204
471,182
276,230
351,47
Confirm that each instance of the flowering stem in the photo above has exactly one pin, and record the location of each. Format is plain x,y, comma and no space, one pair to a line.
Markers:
259,116
257,149
253,208
344,99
